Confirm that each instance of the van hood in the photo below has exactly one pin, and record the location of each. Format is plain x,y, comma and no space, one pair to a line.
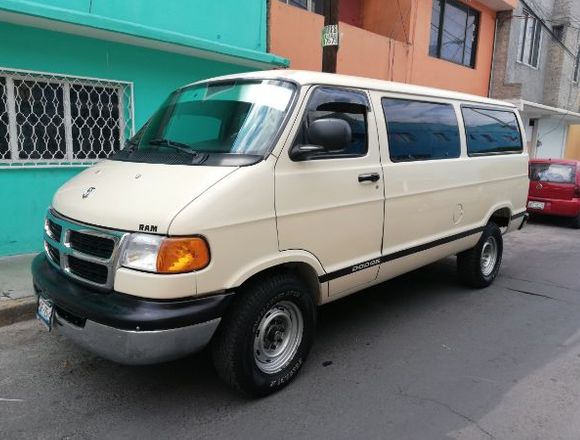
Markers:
134,196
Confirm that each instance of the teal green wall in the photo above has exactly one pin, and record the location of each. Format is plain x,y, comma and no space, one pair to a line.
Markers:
240,23
26,193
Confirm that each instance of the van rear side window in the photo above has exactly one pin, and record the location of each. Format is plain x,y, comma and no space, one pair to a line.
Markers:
421,130
491,131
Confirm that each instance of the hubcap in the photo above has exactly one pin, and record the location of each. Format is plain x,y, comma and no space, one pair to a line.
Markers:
488,256
278,337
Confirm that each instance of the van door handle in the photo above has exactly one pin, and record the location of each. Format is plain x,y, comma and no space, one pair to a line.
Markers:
370,177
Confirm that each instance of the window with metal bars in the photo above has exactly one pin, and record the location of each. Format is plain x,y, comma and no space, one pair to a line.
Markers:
48,119
530,40
454,32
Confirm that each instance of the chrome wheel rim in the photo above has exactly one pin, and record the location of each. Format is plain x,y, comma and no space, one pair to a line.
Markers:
278,337
488,256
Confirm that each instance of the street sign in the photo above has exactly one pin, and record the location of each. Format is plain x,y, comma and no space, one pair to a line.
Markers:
329,36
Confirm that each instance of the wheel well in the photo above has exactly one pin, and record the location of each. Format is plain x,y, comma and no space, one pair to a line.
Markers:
501,217
303,271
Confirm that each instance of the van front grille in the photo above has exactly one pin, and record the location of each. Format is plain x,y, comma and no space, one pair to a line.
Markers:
86,253
54,229
91,244
97,273
53,253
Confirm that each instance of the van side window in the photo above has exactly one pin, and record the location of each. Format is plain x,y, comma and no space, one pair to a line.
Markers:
348,105
421,130
491,131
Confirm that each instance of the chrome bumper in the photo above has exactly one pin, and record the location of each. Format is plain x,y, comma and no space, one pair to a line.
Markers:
137,347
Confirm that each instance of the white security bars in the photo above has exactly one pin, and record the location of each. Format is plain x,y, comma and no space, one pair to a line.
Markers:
58,120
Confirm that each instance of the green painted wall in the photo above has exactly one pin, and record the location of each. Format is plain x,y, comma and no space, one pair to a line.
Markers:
26,193
240,23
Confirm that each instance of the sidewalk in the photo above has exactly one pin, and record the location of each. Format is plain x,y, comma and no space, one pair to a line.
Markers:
17,300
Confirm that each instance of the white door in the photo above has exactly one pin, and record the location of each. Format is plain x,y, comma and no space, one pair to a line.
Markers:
551,138
332,204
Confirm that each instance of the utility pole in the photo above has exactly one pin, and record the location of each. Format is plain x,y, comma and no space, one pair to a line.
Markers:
330,36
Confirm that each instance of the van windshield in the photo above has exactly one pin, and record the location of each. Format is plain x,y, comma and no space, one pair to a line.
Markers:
221,123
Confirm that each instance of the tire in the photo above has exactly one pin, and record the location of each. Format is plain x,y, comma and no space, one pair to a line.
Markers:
266,335
479,266
576,222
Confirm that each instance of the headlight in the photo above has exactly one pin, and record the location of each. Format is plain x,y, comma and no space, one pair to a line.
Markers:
154,253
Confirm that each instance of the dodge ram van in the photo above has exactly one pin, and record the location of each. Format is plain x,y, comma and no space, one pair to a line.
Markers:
247,201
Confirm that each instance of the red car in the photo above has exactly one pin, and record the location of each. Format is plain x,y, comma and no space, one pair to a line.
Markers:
555,188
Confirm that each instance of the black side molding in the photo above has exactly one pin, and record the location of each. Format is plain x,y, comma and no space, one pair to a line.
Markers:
399,254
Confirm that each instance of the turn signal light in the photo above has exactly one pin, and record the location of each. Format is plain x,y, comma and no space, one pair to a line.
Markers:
178,255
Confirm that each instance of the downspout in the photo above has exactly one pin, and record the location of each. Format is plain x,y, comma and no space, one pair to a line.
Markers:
492,57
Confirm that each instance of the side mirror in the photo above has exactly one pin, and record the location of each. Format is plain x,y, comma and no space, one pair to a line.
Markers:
324,135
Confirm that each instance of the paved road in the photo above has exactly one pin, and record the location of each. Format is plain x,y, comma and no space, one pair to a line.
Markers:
417,358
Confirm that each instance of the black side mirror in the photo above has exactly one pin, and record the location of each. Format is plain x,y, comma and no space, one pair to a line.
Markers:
324,135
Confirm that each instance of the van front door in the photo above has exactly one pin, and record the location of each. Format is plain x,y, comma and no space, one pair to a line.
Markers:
331,203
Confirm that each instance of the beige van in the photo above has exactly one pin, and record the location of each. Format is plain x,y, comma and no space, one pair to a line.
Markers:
247,201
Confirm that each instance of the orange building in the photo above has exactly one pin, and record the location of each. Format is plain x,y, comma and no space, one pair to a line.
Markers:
439,43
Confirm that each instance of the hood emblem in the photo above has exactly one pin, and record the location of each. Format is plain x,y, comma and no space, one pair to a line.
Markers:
539,186
88,192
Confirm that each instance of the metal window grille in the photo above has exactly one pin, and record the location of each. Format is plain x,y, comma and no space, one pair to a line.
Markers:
58,120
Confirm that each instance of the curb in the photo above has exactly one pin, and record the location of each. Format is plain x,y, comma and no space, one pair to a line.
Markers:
17,310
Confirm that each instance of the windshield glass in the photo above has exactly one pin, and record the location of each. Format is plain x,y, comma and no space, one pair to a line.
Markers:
552,172
224,122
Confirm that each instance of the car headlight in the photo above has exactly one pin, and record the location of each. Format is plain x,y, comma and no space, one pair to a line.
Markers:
154,253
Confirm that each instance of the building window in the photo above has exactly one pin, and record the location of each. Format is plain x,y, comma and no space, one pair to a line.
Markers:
530,40
558,32
421,130
48,119
454,32
576,68
310,5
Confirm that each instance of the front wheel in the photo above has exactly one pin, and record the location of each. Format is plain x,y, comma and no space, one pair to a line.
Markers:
479,266
266,335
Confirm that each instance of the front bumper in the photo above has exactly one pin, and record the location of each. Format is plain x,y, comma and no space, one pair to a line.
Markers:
124,328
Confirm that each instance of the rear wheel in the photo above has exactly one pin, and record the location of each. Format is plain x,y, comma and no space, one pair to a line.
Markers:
266,335
576,222
479,266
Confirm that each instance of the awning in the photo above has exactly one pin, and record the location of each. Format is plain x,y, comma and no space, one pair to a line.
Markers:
104,28
534,110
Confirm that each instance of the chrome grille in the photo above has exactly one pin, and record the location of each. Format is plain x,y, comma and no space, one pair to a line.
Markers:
91,244
86,253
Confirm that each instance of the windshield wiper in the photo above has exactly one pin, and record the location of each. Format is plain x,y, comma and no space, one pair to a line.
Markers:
180,146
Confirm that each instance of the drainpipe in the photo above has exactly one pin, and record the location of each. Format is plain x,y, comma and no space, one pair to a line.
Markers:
492,57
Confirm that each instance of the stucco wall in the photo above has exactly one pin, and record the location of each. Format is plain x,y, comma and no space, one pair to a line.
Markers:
434,72
371,54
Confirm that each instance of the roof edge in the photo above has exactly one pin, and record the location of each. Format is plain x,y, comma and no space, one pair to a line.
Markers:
130,29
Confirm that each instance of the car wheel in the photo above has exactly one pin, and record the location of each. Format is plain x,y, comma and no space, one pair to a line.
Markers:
265,336
479,266
576,222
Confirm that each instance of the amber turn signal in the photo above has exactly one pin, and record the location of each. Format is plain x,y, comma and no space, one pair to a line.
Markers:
178,255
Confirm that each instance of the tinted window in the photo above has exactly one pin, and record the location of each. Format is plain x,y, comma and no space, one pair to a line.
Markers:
491,131
552,172
421,130
348,105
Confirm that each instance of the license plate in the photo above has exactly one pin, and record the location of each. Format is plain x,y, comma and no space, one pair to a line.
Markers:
536,205
45,312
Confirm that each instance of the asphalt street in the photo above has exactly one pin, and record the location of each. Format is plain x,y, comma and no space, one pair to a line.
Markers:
417,358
